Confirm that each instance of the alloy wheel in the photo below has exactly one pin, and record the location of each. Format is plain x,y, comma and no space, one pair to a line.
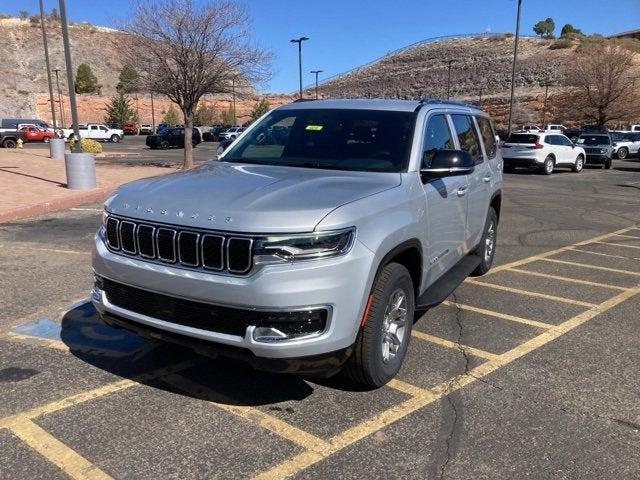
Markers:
394,325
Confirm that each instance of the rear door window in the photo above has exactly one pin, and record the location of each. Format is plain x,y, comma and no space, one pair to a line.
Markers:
488,136
437,136
522,138
467,136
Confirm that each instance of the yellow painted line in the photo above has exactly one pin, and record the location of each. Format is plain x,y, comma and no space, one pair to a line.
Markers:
603,254
595,267
544,255
567,279
48,342
264,420
627,236
504,316
405,387
453,345
618,245
305,459
61,455
531,294
97,392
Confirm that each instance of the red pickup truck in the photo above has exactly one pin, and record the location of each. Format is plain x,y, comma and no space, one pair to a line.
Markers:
37,134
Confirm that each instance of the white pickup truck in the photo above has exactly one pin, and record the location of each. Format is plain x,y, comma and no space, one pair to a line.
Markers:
96,131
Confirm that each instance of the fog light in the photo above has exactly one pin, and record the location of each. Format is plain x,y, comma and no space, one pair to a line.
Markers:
279,326
96,291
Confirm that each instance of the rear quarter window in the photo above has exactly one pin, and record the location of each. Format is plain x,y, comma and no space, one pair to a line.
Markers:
488,136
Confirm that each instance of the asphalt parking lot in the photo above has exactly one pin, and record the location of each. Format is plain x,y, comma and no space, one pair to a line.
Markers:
530,371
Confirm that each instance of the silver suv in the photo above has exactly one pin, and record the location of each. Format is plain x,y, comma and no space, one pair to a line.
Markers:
309,246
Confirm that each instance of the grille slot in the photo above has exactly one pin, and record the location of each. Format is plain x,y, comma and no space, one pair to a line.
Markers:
146,245
112,233
188,248
239,254
212,252
220,252
166,240
127,237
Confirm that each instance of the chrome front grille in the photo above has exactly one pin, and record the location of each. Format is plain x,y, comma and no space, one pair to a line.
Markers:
188,248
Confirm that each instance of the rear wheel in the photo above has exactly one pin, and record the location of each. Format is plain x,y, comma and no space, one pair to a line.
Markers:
578,165
383,340
486,250
9,143
46,139
509,169
164,144
547,166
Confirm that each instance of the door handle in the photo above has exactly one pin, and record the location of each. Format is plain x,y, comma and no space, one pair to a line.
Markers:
486,179
462,191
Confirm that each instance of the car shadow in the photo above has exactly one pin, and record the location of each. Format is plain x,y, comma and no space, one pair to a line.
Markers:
627,169
127,355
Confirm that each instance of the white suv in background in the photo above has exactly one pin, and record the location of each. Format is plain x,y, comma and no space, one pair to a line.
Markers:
543,151
625,144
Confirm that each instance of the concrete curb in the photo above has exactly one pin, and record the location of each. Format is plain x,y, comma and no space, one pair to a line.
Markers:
80,198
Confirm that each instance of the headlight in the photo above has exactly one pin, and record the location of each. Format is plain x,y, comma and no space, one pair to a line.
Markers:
603,150
304,246
105,215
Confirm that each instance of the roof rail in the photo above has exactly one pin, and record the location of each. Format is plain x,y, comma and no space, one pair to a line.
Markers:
440,101
303,100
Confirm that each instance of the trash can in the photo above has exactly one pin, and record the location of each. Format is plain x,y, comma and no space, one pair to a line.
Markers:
56,148
81,171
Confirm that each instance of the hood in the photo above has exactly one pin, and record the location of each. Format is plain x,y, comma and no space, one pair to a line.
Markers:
246,198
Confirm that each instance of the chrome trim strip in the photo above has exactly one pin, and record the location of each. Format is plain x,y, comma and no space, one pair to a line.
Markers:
130,252
250,254
173,241
222,247
196,249
117,247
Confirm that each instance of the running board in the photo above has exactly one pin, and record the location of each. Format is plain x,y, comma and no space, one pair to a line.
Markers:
447,283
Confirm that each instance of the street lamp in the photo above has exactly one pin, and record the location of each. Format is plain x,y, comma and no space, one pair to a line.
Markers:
513,69
316,73
544,108
153,115
46,62
69,65
450,62
233,97
57,70
299,42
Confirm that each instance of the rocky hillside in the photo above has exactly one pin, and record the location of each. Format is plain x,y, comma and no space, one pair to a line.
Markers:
481,66
24,91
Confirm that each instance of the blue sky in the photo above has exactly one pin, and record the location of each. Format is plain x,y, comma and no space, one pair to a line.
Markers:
348,33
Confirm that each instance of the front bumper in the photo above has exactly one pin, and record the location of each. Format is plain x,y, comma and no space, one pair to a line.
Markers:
596,159
340,284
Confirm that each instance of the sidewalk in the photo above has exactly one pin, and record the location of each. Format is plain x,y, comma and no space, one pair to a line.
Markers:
31,183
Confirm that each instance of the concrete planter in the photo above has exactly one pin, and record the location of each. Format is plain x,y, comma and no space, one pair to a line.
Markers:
81,171
56,148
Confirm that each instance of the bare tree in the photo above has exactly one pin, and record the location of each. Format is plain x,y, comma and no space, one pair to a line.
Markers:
601,86
185,51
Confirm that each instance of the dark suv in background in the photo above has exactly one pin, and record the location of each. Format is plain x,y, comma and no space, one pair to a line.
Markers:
172,137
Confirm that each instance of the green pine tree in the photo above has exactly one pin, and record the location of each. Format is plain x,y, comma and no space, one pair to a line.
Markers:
171,117
128,80
260,109
119,110
86,81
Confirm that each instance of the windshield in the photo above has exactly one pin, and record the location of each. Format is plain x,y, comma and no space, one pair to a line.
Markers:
522,138
594,140
337,139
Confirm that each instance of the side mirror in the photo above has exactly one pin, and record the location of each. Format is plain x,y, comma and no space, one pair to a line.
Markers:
447,163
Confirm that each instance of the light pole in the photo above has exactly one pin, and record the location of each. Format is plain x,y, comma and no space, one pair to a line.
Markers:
56,70
450,62
513,69
299,42
69,65
46,62
233,98
316,73
544,108
480,98
153,115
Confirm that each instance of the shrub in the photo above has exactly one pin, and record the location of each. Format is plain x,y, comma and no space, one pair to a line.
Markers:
87,145
560,44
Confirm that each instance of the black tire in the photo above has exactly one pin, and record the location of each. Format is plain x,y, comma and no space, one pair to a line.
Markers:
578,165
486,249
46,139
508,169
623,153
114,138
9,143
164,144
607,164
547,166
367,365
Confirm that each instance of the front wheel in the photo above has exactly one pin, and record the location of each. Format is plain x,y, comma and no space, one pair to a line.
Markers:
607,164
623,153
383,340
46,139
9,143
578,164
114,138
486,249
